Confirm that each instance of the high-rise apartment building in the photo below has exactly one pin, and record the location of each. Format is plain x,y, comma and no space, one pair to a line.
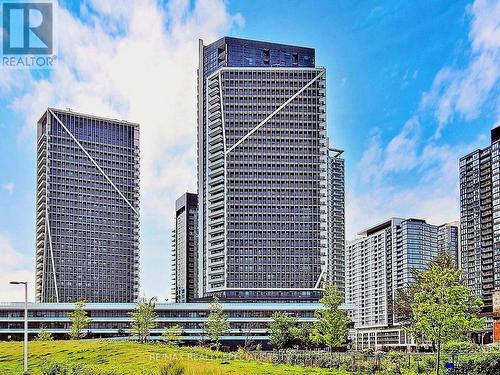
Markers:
185,249
336,219
378,264
87,208
480,219
262,159
448,240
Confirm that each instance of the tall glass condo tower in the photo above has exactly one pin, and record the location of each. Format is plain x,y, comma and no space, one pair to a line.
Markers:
87,208
262,178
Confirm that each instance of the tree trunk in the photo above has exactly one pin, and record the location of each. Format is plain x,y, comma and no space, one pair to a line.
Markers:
438,358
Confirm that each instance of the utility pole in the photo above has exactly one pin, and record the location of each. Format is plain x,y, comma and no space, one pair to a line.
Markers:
25,347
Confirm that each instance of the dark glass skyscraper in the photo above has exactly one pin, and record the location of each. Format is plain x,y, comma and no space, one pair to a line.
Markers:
87,208
262,158
185,249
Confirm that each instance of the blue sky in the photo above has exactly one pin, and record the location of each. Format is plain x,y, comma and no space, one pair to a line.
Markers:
411,87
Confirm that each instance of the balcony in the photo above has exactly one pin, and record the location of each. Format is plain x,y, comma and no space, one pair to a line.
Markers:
215,197
216,205
216,123
217,261
217,147
217,189
213,83
216,156
216,250
217,213
216,172
216,164
216,221
214,108
216,139
216,181
213,100
217,271
215,131
217,231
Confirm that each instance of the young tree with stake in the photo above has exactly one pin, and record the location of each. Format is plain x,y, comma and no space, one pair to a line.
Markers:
217,323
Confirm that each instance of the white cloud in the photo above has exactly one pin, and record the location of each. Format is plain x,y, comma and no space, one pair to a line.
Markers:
433,193
14,266
412,176
137,61
398,155
464,91
9,187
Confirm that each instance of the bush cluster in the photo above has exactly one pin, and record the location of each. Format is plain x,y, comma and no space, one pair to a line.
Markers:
57,368
485,363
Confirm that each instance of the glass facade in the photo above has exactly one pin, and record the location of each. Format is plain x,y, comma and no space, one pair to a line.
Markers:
262,171
448,241
416,247
87,218
114,320
380,263
480,219
185,249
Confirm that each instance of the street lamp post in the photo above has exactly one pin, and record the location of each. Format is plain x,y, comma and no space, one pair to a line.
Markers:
25,348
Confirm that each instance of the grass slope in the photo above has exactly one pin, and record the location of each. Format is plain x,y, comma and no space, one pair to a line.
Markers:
135,358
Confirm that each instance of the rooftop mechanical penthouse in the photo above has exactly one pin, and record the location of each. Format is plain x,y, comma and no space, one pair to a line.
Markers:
87,208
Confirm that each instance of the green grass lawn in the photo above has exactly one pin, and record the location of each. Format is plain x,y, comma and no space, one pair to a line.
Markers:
135,358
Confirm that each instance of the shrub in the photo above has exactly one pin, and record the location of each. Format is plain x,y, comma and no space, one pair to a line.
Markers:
79,369
48,367
244,354
394,362
458,347
172,335
52,368
368,352
343,362
172,368
424,364
44,335
480,364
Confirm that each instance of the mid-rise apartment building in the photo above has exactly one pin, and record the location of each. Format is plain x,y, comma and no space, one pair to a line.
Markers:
87,208
380,263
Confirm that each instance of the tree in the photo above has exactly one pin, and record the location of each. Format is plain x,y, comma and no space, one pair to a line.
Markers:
249,342
303,335
284,330
217,323
79,321
403,303
143,319
172,335
442,307
44,335
332,323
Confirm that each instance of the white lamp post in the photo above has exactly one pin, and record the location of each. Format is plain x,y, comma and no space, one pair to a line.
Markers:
25,349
